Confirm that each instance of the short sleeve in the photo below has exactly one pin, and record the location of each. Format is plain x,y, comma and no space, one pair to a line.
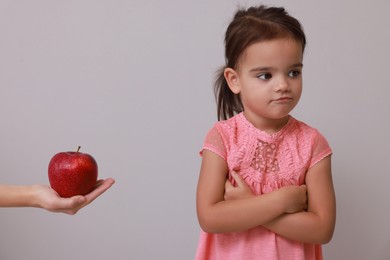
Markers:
321,149
214,142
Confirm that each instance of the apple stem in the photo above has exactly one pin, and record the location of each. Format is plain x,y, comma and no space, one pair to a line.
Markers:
78,149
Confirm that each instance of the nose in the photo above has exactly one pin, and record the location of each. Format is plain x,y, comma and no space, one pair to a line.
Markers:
282,85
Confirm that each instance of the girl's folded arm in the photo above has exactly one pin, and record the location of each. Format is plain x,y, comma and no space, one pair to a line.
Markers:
318,223
217,215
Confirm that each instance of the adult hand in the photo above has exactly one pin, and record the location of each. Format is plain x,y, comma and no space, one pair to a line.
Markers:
49,199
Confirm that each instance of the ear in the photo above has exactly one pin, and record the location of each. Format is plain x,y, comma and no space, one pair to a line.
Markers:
232,80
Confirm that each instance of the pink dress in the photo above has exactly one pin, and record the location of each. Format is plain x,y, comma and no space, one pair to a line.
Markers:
267,162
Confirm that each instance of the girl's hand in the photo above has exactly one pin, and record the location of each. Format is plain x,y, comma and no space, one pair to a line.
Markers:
242,191
295,198
49,199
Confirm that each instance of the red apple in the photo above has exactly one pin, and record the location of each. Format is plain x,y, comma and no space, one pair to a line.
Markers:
72,173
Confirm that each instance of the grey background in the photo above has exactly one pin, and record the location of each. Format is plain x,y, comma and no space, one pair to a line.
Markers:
131,82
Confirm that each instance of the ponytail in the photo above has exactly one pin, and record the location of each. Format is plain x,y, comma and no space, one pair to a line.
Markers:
228,103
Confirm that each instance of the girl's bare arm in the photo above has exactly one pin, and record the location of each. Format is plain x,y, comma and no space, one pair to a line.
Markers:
318,223
217,215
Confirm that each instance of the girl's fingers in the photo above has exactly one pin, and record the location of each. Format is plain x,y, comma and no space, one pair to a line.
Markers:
228,184
238,179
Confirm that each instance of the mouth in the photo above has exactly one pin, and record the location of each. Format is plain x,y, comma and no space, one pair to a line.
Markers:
283,99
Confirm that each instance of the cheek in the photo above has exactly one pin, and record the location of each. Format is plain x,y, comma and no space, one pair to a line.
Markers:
297,94
256,97
299,91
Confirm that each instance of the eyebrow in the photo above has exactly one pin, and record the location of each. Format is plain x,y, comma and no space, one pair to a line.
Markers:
296,65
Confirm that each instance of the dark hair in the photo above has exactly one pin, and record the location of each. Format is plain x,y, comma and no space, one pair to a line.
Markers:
250,26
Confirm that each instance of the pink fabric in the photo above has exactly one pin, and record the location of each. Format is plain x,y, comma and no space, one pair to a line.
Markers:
267,162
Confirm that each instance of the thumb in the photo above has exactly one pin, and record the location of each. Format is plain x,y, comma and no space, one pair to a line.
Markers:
238,179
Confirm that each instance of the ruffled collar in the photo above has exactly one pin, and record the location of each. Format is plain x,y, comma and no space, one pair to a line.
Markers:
263,134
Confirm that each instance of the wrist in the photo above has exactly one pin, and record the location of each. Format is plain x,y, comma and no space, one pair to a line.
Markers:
283,199
32,198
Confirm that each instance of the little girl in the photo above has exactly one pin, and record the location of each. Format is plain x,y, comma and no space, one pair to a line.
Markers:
265,187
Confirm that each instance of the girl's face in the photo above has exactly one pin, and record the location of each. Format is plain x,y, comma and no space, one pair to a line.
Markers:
269,81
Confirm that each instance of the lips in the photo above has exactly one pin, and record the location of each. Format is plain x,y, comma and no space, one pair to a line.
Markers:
283,99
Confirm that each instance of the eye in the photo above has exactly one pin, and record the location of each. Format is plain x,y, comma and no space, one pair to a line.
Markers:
264,76
294,73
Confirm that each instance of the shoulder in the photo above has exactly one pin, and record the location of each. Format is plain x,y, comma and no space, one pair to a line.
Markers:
305,131
302,126
220,137
228,127
313,140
